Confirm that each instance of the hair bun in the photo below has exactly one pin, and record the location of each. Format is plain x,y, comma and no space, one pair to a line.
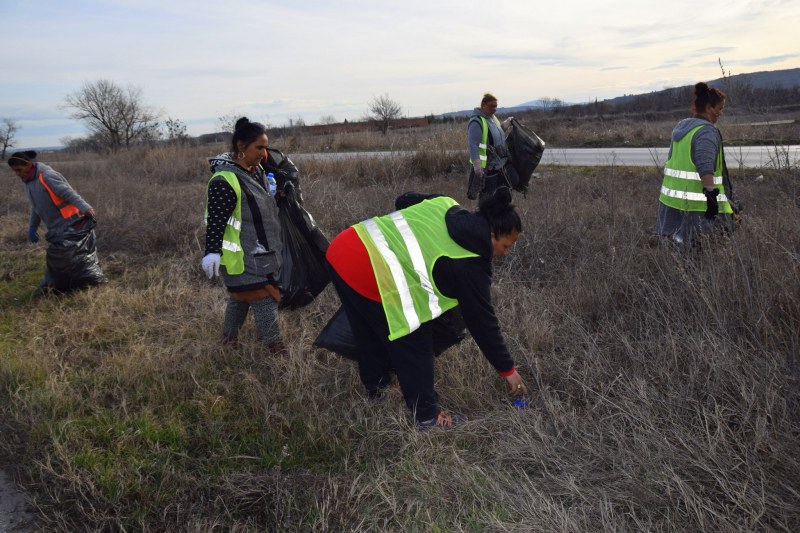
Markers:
241,122
700,87
503,195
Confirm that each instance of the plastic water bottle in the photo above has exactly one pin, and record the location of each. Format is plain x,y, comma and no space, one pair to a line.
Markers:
273,185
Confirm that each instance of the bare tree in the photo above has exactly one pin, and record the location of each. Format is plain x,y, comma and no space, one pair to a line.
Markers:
550,104
84,144
296,122
117,116
327,119
8,129
383,110
176,131
226,123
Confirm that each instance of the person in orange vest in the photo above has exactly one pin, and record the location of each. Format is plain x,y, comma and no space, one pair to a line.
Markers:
69,220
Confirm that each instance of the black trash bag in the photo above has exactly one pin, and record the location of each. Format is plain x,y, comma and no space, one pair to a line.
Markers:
284,170
303,273
526,149
337,336
72,262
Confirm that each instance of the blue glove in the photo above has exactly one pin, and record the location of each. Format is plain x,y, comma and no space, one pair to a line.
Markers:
33,236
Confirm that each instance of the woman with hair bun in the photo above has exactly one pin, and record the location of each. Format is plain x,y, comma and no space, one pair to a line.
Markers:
696,194
396,273
243,236
71,253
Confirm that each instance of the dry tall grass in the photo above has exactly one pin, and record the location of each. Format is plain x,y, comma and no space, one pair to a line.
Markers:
665,388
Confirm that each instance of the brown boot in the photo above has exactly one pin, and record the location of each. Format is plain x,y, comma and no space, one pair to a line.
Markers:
278,349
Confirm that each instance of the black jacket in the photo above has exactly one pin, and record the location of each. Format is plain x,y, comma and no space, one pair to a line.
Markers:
469,280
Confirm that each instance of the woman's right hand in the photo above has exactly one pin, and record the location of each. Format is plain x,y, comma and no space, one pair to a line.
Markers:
210,264
516,384
478,169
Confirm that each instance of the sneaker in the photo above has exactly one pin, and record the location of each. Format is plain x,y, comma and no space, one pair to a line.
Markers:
442,420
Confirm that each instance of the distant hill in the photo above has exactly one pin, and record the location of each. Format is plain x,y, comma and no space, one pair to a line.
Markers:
540,103
785,79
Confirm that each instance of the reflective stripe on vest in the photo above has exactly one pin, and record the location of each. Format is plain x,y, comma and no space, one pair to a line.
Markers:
682,187
66,209
484,144
403,247
232,256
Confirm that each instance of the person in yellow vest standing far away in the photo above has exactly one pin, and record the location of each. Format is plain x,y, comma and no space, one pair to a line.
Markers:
71,252
397,273
488,153
696,194
243,236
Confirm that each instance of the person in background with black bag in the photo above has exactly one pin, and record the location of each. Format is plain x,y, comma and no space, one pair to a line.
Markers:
488,153
71,255
243,236
395,274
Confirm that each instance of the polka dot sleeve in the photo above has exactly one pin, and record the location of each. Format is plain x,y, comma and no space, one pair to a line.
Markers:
221,201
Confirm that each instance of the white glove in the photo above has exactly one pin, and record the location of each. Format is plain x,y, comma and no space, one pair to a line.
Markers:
507,123
210,265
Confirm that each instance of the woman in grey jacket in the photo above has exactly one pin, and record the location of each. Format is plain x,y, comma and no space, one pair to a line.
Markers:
696,196
69,219
243,236
488,153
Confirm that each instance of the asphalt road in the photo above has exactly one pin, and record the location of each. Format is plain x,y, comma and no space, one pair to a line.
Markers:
740,156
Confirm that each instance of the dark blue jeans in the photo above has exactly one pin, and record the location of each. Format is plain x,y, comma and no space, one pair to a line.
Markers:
411,357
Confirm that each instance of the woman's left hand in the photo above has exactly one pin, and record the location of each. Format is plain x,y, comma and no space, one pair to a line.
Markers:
516,384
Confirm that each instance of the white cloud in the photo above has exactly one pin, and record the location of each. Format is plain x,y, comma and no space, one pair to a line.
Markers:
288,58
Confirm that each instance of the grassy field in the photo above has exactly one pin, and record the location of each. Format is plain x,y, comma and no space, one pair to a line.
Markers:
665,388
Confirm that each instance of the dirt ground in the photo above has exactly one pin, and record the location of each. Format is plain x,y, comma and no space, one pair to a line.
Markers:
14,514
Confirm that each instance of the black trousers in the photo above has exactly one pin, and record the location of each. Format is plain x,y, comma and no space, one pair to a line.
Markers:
411,357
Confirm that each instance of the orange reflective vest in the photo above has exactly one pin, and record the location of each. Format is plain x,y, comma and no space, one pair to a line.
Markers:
67,209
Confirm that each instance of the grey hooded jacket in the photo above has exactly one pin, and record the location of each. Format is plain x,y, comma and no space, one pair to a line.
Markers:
683,226
705,143
262,260
497,154
42,207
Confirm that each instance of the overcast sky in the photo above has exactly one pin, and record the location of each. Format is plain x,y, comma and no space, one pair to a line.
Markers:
278,59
